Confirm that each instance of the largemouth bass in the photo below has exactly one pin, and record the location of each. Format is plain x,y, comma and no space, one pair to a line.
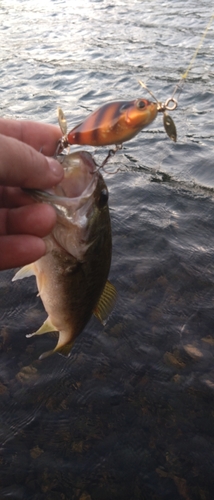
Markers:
72,276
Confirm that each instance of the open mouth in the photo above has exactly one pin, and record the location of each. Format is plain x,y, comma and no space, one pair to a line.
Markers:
79,170
77,184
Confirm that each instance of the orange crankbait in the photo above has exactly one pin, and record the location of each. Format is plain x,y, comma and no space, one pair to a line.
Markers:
115,123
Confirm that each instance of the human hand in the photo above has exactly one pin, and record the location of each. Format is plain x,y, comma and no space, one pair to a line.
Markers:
23,223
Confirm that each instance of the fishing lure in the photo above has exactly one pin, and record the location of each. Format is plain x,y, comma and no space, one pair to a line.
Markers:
115,123
119,121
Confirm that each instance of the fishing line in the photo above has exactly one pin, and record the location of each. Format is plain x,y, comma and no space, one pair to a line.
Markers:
189,67
171,103
185,74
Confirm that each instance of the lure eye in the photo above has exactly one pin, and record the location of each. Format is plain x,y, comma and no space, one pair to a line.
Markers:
103,199
141,104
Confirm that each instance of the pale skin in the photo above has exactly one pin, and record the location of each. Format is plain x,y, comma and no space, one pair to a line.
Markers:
24,223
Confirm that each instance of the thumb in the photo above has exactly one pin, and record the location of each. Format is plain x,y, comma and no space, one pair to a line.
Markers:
23,166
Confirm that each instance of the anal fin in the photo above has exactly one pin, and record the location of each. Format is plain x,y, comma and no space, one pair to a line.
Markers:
63,351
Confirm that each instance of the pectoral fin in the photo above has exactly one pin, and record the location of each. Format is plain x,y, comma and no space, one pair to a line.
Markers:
106,302
24,272
46,327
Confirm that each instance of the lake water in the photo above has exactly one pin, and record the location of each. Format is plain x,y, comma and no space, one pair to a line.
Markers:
130,415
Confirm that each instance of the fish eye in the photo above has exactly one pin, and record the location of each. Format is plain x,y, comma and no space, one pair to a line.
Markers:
103,199
141,104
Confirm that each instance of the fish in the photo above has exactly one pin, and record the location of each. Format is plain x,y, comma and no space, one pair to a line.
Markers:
113,123
72,278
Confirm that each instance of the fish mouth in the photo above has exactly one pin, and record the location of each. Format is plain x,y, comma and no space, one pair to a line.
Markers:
79,170
76,188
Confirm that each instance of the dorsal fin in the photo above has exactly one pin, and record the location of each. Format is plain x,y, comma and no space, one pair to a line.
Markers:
106,302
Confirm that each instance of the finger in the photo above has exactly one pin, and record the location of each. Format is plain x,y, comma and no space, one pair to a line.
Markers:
23,166
19,250
12,197
38,135
36,219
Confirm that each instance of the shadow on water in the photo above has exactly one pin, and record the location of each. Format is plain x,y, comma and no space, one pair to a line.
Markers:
129,415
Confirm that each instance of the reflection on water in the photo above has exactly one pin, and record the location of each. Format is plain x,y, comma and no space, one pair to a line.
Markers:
130,414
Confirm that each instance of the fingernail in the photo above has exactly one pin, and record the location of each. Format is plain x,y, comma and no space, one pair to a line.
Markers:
55,167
